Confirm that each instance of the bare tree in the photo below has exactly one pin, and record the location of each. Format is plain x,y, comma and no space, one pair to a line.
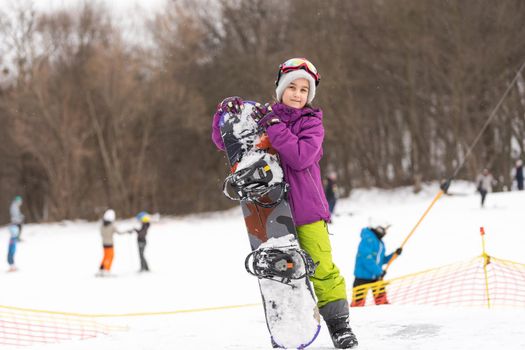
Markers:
91,120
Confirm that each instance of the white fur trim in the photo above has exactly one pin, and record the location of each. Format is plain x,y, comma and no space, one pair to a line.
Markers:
287,78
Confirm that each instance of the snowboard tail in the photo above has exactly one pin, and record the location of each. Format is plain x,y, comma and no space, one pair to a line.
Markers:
289,304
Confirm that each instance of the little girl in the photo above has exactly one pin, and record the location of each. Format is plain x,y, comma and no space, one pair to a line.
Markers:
144,218
295,130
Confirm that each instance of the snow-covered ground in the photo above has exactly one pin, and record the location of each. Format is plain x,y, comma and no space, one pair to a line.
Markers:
197,263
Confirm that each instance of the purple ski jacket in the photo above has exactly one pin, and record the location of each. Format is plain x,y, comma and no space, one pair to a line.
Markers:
298,139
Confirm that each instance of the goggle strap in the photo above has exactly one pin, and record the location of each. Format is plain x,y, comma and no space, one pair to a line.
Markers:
316,77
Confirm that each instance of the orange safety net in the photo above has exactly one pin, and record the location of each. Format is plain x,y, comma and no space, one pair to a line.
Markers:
26,327
483,281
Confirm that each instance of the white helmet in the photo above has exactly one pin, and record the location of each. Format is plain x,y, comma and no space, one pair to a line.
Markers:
109,215
374,222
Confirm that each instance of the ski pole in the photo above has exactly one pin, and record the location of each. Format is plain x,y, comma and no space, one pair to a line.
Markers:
395,255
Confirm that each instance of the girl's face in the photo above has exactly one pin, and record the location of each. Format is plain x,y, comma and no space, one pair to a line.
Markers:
296,94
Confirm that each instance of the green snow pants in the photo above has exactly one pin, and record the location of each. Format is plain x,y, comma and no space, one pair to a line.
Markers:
329,285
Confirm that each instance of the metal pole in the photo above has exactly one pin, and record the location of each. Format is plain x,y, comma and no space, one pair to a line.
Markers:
486,261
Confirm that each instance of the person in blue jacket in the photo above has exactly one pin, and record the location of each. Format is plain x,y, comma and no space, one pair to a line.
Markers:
369,263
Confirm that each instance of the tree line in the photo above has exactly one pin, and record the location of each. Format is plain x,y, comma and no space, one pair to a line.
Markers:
90,119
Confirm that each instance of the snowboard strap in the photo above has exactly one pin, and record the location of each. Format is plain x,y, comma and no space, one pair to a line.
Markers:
281,264
253,184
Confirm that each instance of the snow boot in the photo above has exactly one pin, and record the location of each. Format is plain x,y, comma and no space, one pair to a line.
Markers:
358,303
341,333
380,299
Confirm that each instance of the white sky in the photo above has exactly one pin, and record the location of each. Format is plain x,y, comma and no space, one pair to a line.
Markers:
130,15
119,6
125,12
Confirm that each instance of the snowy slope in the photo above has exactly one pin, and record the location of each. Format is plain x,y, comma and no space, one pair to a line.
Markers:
197,262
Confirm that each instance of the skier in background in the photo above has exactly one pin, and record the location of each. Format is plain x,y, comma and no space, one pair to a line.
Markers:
144,219
517,174
369,262
14,233
295,130
484,183
107,230
330,191
17,218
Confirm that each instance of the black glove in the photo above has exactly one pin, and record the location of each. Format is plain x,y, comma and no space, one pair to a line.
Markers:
264,116
399,251
260,111
445,185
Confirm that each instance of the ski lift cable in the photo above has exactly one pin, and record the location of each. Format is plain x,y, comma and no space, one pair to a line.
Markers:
444,187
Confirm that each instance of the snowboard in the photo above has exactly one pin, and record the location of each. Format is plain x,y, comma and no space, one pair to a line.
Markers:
276,259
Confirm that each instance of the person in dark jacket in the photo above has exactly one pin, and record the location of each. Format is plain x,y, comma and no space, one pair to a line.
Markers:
369,263
484,183
144,219
330,191
518,174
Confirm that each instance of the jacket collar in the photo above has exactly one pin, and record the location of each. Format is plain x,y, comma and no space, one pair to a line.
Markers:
289,114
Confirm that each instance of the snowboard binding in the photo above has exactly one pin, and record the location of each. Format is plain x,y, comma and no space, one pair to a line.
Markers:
253,183
280,264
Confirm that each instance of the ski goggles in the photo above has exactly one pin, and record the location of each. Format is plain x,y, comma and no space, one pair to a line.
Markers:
296,64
